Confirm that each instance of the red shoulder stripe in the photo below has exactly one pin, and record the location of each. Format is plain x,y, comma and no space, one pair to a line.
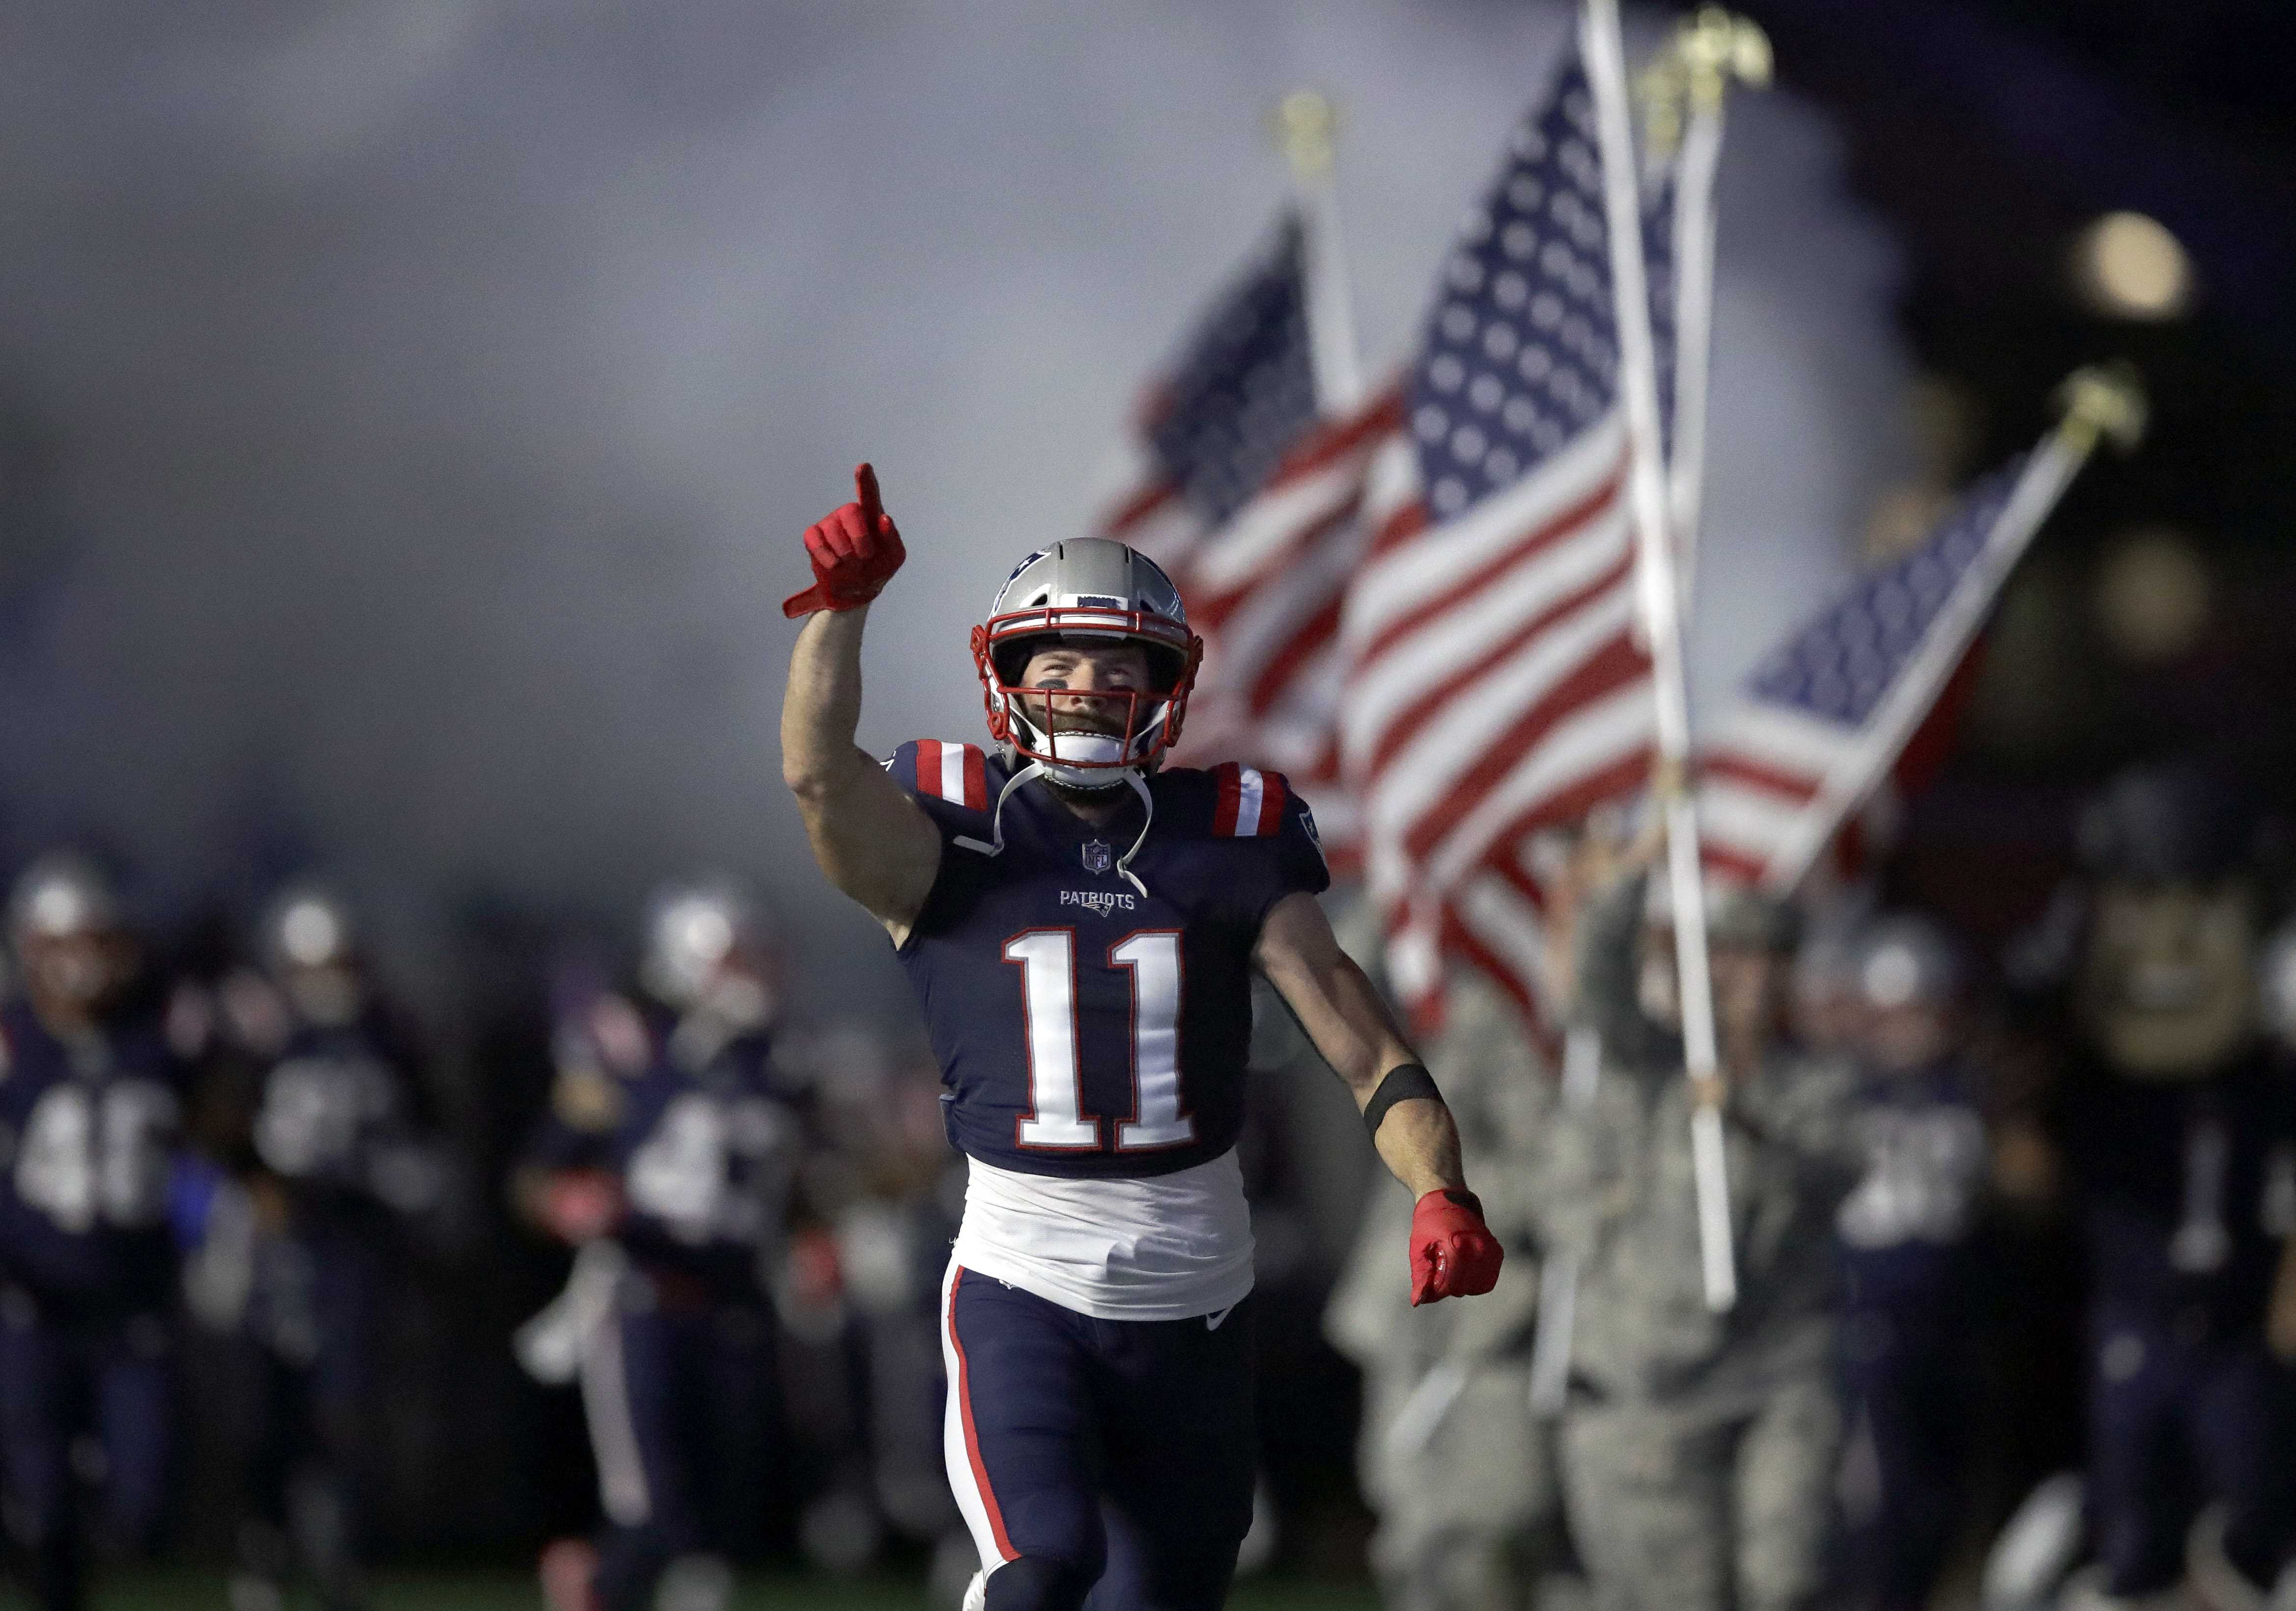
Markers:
957,772
1273,796
1251,802
1229,803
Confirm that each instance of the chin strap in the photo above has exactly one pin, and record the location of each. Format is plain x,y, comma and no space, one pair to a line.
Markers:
1036,769
1147,819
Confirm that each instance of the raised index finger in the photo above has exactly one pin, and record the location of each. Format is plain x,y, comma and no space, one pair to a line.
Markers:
865,490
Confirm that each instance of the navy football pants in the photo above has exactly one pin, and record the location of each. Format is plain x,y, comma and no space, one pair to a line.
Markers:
1086,1451
680,1396
317,1306
1908,1378
61,1376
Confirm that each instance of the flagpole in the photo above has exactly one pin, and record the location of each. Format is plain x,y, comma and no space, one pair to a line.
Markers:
2099,402
1558,1272
1308,124
1709,52
1661,604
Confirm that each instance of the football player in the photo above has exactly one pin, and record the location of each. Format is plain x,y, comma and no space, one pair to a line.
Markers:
1909,1259
669,1156
91,1105
1080,924
341,1164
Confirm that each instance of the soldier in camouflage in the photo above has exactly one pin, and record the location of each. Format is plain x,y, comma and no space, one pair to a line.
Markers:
1699,1449
1461,1473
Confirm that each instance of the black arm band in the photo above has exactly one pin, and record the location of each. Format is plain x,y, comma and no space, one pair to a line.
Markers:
1401,1083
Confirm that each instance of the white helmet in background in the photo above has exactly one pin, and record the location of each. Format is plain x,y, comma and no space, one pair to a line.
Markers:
310,948
1907,961
309,927
705,946
1090,589
61,896
68,932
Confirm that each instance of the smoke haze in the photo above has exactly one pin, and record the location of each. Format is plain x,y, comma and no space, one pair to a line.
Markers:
433,390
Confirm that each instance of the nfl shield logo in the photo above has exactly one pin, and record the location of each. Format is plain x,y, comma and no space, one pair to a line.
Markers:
1098,858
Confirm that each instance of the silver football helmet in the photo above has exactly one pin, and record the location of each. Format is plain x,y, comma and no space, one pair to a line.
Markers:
1092,589
705,946
61,896
309,927
1907,961
69,931
310,946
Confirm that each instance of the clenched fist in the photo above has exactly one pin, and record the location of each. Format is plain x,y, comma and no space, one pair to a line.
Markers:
854,550
1453,1253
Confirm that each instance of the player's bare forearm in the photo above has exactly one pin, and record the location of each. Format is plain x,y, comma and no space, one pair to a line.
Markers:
872,840
1349,1023
1419,1143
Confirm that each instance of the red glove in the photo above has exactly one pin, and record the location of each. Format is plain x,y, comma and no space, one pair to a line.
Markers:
816,1272
855,551
1453,1253
581,1204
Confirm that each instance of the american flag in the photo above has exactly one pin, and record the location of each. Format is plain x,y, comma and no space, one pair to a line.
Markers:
1267,591
1826,715
1495,683
1253,501
1219,419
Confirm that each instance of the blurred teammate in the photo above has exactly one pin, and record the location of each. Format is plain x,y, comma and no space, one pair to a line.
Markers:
667,1157
1905,1249
91,1105
1698,1449
1080,925
338,1160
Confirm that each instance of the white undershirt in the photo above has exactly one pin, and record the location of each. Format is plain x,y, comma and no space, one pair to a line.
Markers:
1159,1248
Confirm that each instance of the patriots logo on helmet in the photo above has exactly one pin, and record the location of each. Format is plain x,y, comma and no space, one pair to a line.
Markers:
1026,561
1099,856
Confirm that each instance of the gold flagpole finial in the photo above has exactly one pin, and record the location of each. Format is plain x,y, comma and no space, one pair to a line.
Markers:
1306,124
2103,400
1718,48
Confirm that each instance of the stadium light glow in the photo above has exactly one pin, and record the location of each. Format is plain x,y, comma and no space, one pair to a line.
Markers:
2128,266
2153,595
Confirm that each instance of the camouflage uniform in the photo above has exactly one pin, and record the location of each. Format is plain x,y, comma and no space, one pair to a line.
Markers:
1698,1448
1462,1476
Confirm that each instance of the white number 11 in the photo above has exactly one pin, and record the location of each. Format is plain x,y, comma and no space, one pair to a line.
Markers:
1047,960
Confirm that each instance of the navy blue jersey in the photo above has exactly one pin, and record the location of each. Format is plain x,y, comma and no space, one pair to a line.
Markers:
340,1121
2177,1187
1084,1027
699,1129
88,1130
1906,1229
